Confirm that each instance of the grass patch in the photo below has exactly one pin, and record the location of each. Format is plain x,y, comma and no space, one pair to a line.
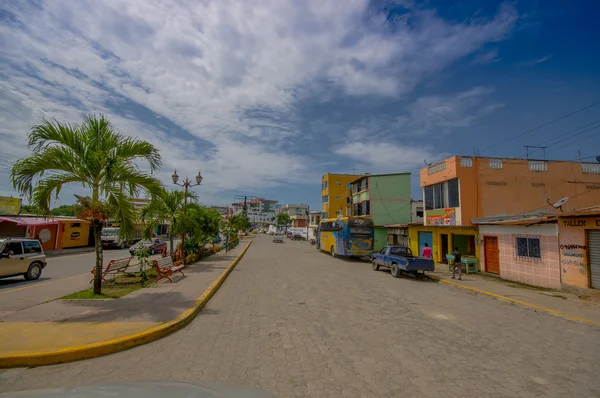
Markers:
121,286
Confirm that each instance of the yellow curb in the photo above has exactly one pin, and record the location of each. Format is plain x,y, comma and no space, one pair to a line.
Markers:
86,351
523,303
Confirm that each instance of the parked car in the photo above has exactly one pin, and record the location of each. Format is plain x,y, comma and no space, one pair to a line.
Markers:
154,246
21,256
401,260
298,237
278,238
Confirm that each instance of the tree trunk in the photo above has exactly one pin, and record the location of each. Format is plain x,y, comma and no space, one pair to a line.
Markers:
99,256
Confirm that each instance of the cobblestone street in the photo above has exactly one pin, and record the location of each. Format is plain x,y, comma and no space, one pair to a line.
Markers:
299,323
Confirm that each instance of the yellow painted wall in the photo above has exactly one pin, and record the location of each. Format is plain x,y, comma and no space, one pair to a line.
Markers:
413,239
335,190
72,235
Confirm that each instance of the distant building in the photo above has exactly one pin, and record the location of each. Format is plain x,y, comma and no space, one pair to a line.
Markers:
335,194
386,198
138,203
298,214
259,210
314,220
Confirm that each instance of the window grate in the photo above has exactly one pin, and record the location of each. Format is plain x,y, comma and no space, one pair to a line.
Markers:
495,163
436,168
590,168
528,247
466,162
538,165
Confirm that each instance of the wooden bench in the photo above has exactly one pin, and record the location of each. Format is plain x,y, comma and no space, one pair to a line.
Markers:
165,268
113,268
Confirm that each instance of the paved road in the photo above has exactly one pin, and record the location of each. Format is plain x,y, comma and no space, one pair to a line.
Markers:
299,323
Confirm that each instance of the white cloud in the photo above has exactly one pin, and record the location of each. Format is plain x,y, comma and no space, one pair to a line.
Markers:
388,157
533,62
204,65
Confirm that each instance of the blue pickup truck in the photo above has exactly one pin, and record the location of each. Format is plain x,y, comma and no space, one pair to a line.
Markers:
401,260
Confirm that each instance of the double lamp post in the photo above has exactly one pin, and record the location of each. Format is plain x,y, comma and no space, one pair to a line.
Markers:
186,184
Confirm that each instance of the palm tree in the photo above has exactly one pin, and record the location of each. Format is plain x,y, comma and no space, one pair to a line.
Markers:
96,156
166,207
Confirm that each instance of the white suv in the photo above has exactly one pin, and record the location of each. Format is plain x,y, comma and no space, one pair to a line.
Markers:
21,256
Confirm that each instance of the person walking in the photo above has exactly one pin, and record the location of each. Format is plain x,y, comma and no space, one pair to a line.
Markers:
427,251
457,262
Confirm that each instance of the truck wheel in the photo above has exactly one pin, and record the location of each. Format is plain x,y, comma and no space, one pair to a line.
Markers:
420,275
375,265
395,271
34,272
332,252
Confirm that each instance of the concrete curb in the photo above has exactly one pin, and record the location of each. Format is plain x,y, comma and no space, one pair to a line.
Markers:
519,302
75,353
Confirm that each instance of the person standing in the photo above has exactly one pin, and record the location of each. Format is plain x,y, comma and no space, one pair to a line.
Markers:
427,251
457,263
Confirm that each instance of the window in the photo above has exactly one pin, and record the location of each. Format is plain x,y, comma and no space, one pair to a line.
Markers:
365,208
442,195
76,225
325,198
436,168
324,184
529,247
337,198
348,185
419,212
338,183
590,168
466,162
32,247
538,165
14,247
453,193
495,163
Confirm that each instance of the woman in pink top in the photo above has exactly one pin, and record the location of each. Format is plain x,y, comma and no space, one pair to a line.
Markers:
426,251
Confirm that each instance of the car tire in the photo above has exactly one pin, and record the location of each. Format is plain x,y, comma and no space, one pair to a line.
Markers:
34,272
395,271
375,265
332,251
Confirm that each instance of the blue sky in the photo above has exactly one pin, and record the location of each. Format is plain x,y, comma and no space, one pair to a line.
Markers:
264,97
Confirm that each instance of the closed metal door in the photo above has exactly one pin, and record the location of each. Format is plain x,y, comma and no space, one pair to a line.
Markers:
594,253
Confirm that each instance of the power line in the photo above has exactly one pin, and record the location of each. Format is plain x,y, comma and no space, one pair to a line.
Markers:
543,125
21,101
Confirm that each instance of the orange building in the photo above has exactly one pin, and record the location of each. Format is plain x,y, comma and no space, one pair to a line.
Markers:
458,190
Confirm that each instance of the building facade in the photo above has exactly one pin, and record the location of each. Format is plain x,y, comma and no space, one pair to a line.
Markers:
386,198
460,189
579,245
335,194
522,253
298,214
259,210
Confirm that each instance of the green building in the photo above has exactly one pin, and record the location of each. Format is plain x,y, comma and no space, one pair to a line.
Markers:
385,198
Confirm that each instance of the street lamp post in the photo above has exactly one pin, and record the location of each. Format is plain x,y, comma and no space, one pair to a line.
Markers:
186,184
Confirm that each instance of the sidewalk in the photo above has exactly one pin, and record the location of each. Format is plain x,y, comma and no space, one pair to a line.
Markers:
68,324
585,308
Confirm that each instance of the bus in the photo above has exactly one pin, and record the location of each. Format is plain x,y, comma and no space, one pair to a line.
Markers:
346,236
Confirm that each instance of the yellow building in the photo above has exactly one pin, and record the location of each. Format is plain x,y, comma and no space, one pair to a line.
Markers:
443,240
335,193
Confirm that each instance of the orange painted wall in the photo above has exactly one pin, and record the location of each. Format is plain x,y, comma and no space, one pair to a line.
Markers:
574,259
515,189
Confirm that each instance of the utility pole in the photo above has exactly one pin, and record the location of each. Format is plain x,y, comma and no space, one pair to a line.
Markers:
308,220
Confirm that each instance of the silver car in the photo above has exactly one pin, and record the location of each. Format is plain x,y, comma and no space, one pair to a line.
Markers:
21,256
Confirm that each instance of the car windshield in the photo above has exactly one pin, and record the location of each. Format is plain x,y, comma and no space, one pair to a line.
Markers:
110,232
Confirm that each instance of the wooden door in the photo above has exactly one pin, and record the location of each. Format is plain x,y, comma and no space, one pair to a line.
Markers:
492,256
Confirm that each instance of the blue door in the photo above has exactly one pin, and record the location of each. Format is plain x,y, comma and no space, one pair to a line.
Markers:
424,237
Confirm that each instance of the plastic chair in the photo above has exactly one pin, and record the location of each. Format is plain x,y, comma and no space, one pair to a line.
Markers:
450,259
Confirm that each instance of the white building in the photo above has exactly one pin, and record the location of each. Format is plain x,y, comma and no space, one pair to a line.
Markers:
259,211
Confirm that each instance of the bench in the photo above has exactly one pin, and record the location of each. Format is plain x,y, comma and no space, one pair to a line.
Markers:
165,268
113,268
